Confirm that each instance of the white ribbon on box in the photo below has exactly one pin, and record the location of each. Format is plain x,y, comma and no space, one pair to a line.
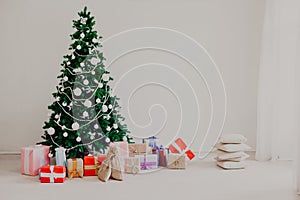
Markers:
52,175
27,151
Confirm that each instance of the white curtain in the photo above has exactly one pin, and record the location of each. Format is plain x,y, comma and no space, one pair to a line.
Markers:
279,85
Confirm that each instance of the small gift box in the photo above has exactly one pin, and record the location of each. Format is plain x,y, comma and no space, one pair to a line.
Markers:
162,157
92,164
179,146
33,158
75,167
176,161
60,156
122,148
137,149
148,161
52,174
132,165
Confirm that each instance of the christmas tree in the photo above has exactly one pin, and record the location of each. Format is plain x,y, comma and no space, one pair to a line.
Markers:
85,115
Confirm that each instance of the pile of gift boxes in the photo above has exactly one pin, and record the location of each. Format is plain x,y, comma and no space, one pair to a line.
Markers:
121,158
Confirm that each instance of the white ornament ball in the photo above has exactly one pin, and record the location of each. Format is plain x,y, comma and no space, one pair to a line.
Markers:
68,63
56,116
82,35
85,82
73,57
65,134
105,77
77,91
63,127
75,126
94,40
51,131
64,104
50,155
100,85
85,114
107,140
57,98
104,108
115,126
96,126
62,89
110,106
92,137
108,128
94,61
98,100
78,139
66,78
125,139
87,103
82,64
78,47
93,72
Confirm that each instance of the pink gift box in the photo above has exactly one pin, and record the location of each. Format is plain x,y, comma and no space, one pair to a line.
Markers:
122,148
33,158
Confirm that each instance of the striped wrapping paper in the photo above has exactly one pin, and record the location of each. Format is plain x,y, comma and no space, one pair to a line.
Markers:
33,158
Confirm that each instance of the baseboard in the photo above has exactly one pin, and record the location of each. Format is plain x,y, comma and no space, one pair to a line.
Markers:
10,153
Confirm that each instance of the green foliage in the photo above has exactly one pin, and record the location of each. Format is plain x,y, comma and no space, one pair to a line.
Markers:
83,98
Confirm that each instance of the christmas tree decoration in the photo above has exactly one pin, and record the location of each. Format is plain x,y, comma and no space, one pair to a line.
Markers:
83,100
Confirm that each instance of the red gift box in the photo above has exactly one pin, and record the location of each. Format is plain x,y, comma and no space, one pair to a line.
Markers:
52,174
92,164
180,146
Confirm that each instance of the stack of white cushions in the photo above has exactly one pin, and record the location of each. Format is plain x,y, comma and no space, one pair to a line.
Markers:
231,151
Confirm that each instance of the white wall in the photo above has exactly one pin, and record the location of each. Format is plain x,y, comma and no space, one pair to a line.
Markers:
35,35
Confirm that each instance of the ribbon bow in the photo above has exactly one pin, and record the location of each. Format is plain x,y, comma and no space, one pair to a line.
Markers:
75,172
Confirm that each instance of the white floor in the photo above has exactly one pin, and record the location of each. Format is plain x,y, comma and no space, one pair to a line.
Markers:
201,180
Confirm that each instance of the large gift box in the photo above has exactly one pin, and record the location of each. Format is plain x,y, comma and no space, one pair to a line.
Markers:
52,174
148,161
132,165
137,149
33,158
122,148
176,161
75,167
92,164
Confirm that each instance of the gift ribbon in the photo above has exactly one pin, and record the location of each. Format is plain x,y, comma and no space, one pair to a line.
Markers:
145,165
27,151
52,175
75,172
134,168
